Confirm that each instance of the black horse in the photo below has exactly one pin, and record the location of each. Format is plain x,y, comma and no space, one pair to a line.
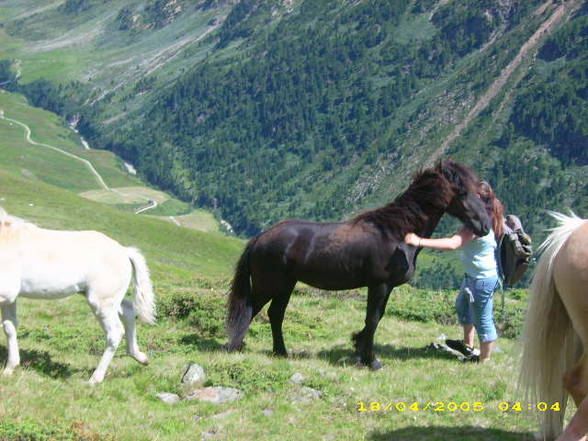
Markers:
368,250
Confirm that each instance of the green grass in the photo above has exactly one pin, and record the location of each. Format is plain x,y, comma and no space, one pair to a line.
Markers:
48,165
60,346
61,342
171,207
197,219
21,158
168,248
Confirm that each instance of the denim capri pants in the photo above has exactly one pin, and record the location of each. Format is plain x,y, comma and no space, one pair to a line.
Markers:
474,306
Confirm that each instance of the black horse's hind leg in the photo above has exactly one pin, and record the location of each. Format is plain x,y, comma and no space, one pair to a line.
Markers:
364,340
276,313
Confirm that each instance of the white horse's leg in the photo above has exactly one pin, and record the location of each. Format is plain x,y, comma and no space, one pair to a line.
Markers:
113,329
127,315
10,325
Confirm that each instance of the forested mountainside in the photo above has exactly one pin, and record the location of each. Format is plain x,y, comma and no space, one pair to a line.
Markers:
327,106
264,109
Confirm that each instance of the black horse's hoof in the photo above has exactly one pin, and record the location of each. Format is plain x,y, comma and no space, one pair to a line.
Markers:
234,347
375,365
281,354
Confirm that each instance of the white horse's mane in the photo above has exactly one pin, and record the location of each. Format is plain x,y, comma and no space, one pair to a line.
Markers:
559,234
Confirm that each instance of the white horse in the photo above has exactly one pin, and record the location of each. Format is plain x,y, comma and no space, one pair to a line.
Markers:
50,264
555,356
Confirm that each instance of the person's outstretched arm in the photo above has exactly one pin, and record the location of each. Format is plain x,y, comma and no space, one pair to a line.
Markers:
444,244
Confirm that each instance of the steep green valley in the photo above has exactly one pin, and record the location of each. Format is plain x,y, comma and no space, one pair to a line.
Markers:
260,110
320,108
208,115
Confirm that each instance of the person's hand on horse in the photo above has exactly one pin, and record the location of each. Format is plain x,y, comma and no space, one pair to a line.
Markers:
412,239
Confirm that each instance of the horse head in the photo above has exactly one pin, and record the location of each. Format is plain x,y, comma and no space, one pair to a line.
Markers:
465,203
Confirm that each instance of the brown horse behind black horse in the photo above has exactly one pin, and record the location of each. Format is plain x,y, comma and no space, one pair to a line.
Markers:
368,250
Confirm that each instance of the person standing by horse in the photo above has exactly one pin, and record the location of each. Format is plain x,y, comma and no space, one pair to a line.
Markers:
474,303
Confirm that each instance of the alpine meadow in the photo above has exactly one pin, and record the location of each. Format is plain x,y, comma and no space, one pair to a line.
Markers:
185,128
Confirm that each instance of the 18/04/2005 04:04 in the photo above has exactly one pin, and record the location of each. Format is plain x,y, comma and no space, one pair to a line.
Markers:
452,406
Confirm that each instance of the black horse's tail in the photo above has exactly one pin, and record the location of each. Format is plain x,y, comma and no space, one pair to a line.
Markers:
240,303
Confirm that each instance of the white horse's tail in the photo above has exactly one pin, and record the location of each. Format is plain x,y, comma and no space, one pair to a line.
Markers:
550,344
144,298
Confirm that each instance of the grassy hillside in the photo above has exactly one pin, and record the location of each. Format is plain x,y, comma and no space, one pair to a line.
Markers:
61,342
167,247
45,157
22,157
264,109
48,399
326,111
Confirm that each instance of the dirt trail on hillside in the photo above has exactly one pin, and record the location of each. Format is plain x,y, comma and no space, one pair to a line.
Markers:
168,54
151,203
151,206
545,28
57,149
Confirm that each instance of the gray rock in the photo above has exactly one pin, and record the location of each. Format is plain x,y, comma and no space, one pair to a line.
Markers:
268,412
297,378
305,394
168,398
215,394
194,375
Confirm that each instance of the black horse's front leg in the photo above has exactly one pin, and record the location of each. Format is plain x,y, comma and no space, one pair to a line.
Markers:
364,340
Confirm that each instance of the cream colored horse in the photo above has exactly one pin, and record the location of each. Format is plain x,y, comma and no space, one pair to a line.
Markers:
50,264
555,358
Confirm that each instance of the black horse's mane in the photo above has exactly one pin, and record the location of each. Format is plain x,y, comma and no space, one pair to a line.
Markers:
430,192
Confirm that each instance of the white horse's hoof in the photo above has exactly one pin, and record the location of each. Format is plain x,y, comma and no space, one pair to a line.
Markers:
93,381
6,372
140,357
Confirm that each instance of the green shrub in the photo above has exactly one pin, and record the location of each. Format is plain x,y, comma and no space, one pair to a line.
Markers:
204,311
28,430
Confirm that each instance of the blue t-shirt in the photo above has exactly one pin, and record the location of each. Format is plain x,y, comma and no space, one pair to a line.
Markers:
478,257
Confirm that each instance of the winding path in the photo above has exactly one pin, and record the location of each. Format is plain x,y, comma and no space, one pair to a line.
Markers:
152,204
57,149
88,164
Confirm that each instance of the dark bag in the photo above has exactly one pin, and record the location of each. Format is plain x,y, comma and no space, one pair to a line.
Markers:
514,251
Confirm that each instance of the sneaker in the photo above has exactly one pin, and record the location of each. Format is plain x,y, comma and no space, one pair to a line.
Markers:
472,359
459,346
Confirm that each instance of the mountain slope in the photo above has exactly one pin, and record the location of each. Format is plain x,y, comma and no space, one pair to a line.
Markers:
327,110
170,250
37,144
265,109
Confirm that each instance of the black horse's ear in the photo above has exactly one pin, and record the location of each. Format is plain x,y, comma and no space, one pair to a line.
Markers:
448,171
457,174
